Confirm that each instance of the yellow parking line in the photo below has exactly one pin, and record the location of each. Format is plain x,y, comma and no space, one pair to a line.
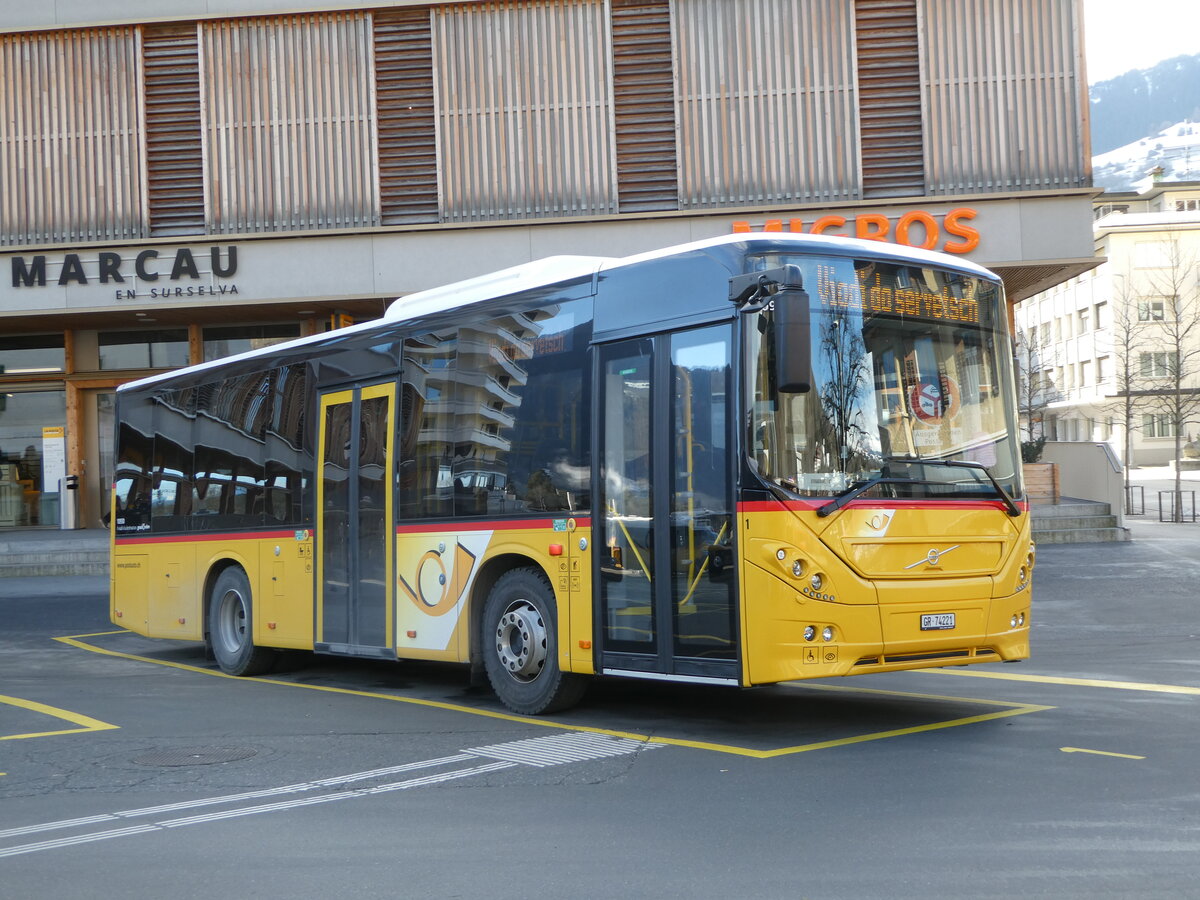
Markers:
85,723
1074,682
1099,752
1010,709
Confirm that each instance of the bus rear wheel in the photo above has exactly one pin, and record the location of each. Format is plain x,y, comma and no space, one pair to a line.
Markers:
230,626
520,646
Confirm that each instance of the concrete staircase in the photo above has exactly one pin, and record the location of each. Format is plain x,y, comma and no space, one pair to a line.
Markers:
47,552
1072,521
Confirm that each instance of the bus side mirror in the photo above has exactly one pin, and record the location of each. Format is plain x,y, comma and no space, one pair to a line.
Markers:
793,347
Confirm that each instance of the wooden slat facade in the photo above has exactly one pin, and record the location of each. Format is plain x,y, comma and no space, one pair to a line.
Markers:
406,119
644,105
889,98
173,134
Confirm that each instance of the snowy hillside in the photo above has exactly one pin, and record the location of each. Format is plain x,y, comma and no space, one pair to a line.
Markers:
1175,148
1142,101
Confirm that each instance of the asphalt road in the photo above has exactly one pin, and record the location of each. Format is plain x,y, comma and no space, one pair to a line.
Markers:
132,769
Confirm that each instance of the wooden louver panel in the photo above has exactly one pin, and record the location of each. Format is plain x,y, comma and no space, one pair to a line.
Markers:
889,98
644,105
407,124
174,146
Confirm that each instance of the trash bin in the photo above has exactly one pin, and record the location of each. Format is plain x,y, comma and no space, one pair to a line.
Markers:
69,507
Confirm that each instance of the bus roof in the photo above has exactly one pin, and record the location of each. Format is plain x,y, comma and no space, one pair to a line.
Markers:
557,269
539,273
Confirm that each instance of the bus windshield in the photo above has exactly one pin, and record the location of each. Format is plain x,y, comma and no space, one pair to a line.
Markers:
910,370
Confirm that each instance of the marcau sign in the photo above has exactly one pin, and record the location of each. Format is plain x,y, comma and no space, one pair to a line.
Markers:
149,268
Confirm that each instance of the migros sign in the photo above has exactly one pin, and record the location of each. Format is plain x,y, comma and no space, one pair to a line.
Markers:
948,231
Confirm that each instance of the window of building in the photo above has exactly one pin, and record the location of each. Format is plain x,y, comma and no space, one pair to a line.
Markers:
221,342
30,461
1085,373
1101,315
1157,425
1103,370
1192,205
32,354
160,349
1082,320
1152,310
1157,364
1105,209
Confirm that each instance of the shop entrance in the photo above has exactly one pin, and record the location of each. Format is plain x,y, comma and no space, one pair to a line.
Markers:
32,456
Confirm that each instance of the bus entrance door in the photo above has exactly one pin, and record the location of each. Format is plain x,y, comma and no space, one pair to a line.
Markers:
354,522
663,537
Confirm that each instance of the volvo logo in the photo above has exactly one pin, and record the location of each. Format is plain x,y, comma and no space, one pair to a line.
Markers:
933,557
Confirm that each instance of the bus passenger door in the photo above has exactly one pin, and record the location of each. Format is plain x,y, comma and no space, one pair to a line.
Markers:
354,521
664,558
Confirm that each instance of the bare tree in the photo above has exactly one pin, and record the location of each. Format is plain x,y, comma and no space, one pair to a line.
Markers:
1035,389
843,351
1173,360
1128,333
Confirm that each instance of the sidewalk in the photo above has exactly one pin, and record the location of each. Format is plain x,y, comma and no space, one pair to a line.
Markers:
1155,479
42,552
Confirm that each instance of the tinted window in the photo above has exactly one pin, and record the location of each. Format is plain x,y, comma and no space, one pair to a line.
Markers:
288,468
171,485
494,417
132,475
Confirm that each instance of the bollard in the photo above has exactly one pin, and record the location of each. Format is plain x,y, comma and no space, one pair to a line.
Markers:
69,492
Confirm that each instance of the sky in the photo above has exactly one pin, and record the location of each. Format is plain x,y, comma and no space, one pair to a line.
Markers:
1135,34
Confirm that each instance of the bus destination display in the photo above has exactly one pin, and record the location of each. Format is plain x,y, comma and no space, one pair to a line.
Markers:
871,293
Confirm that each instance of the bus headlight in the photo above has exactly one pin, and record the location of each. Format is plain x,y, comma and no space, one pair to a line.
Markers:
827,634
797,568
809,632
1022,574
816,581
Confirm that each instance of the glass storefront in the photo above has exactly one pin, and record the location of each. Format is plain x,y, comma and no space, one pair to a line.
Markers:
227,341
32,456
161,349
32,354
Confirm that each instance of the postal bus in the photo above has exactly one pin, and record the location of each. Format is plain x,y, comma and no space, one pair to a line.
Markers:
751,459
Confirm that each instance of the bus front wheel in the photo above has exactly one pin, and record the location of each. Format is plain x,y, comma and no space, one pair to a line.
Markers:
520,646
230,613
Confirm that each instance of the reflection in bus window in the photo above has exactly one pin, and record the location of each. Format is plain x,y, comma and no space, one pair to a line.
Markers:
494,417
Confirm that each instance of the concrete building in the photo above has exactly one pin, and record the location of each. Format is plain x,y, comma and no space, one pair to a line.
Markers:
1109,331
180,181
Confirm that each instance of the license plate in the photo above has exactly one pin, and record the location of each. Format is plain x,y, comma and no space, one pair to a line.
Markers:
937,622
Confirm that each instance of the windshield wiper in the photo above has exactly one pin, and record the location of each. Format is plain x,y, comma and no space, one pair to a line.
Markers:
860,489
1009,505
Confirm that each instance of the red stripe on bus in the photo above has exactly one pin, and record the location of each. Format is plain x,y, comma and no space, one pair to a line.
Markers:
486,525
875,503
214,536
427,528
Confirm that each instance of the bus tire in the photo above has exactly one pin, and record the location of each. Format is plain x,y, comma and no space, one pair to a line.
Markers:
519,640
230,626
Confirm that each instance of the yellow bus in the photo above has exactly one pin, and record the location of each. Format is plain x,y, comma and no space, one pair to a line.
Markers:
751,459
